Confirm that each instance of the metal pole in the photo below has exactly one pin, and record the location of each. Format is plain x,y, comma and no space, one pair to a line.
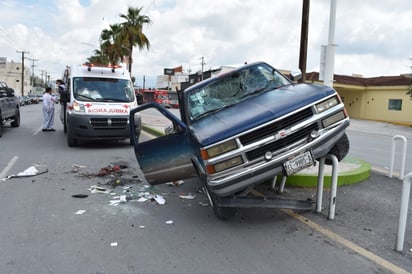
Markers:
330,48
403,213
304,39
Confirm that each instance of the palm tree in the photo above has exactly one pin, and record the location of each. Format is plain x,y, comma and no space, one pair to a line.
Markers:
131,33
110,45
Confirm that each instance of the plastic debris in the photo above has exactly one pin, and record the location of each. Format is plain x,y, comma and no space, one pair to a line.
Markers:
175,183
204,204
80,195
99,189
188,196
169,222
141,226
80,212
159,199
29,172
113,244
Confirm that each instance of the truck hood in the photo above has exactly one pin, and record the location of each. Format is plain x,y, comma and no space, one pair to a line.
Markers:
256,110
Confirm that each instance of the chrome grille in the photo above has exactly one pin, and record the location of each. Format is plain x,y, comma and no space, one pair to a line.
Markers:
276,126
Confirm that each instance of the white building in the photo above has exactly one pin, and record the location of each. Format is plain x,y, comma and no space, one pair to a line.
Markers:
11,73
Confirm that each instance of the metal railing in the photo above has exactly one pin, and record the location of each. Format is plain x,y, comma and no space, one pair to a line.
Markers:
334,185
402,172
403,213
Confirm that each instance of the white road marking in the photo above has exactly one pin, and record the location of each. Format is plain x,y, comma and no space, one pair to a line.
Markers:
8,167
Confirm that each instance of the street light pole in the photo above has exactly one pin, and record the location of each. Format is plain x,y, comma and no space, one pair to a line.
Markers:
22,69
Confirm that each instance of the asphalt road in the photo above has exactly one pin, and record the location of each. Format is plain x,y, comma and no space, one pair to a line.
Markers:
41,232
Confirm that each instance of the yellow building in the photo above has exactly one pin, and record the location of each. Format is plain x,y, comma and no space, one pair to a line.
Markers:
381,98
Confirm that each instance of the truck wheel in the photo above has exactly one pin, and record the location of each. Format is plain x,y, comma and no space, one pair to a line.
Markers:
340,149
16,122
222,213
1,126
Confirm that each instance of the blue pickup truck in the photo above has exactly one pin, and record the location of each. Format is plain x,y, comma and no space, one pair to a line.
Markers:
241,128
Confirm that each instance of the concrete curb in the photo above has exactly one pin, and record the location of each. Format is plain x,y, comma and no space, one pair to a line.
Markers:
351,175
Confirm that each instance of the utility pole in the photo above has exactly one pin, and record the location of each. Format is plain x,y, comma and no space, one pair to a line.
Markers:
304,39
32,70
22,69
203,64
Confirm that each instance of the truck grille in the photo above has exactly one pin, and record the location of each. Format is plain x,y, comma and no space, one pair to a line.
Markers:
281,143
276,126
108,123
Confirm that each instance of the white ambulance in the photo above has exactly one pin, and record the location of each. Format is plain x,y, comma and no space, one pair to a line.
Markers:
97,103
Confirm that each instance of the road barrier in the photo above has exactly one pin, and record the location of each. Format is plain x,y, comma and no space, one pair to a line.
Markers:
394,138
403,213
334,185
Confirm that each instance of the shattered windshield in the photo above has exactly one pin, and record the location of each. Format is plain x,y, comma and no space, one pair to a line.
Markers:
233,88
103,89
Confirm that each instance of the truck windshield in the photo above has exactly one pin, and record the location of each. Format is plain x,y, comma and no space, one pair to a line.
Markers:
103,89
232,88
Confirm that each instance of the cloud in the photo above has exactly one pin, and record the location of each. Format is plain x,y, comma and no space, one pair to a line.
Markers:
373,38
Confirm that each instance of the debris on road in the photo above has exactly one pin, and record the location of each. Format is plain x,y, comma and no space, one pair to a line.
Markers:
80,195
98,189
80,212
188,196
175,183
29,172
169,222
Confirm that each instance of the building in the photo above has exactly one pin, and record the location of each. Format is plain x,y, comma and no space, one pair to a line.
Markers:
11,73
382,98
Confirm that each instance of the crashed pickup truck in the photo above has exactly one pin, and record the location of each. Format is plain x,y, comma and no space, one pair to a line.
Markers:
239,129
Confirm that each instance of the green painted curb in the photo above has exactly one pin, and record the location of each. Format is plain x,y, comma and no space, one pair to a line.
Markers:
344,178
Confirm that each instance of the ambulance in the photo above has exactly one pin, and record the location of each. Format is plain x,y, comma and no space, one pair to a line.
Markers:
96,102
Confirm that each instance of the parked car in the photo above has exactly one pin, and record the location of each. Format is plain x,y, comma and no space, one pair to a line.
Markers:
241,129
33,99
27,100
21,101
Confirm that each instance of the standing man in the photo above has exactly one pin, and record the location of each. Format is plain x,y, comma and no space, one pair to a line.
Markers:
48,110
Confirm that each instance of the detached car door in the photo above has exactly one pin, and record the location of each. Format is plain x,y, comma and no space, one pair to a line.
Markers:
165,149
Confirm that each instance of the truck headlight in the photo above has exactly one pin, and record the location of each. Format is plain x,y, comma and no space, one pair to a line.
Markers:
327,104
218,149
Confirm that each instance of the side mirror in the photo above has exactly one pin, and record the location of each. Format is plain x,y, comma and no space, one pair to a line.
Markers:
169,129
10,92
295,75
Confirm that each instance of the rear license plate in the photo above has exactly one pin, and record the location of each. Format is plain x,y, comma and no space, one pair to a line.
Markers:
298,163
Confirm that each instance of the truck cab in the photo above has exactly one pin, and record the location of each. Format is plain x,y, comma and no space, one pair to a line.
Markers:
96,104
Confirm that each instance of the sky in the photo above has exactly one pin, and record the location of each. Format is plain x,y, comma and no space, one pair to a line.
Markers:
373,38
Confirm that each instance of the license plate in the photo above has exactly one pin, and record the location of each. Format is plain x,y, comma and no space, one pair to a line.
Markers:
298,163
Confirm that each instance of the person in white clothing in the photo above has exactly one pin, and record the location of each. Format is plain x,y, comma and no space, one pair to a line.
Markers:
48,110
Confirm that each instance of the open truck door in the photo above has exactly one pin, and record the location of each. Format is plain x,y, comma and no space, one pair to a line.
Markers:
164,151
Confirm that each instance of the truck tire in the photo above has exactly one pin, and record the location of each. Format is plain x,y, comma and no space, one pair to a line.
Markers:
16,121
222,213
340,149
1,126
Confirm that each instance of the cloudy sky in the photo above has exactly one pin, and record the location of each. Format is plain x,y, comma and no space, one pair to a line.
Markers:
373,38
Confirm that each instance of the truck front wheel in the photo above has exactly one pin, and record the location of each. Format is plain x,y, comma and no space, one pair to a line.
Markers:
71,141
16,121
222,213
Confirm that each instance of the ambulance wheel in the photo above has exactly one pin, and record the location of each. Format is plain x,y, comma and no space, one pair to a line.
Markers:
71,141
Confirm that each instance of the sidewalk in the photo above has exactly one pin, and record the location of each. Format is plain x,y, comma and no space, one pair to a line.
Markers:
380,128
